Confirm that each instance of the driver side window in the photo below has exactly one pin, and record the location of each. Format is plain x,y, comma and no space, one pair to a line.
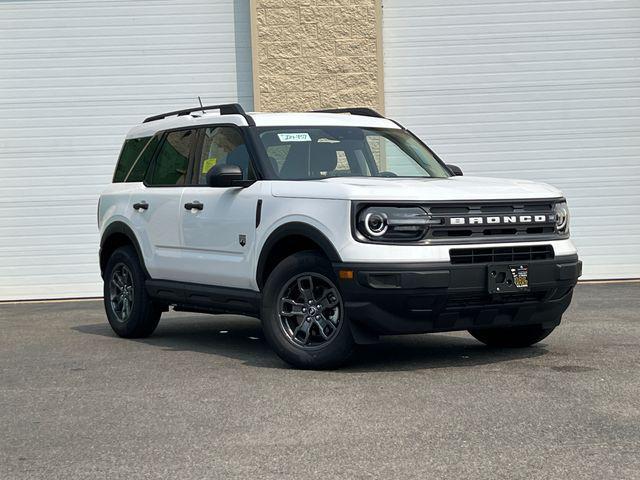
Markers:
223,145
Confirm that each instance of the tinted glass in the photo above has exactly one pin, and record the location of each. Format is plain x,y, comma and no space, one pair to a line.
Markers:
172,162
223,145
140,166
319,152
131,150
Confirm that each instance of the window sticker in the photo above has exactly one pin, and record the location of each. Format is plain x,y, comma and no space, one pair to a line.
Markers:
294,137
208,163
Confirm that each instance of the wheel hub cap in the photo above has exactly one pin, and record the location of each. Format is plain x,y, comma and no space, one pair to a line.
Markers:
121,292
310,310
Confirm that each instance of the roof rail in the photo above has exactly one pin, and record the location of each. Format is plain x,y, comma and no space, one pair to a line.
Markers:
225,109
365,111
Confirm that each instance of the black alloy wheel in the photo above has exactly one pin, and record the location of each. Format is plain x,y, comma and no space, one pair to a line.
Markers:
121,292
310,310
130,310
303,313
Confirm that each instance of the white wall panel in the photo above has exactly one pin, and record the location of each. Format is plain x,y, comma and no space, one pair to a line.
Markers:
74,77
542,90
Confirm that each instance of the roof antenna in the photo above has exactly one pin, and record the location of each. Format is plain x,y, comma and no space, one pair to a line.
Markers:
201,106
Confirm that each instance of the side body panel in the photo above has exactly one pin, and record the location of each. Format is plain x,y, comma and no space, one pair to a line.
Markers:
157,228
328,216
219,241
113,204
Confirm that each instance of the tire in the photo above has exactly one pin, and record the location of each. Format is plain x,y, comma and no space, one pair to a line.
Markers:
512,337
143,315
306,336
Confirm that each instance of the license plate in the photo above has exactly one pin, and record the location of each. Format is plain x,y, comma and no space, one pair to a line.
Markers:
508,278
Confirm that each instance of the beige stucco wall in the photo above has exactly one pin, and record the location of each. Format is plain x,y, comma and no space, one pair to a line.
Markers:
316,54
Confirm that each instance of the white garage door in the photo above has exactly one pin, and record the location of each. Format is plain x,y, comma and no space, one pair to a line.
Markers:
543,90
74,77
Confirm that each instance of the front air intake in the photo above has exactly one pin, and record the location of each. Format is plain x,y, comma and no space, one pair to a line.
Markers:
501,254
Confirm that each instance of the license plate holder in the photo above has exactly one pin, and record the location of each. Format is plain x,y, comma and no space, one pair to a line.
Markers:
508,278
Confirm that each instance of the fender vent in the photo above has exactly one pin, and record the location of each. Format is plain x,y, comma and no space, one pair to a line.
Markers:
501,254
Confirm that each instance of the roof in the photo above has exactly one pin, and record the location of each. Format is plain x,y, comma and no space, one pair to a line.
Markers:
262,120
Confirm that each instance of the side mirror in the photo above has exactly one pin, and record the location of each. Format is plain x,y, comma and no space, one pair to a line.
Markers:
455,170
224,175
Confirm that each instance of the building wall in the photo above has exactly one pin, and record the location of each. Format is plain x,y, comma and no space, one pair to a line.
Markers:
74,78
316,54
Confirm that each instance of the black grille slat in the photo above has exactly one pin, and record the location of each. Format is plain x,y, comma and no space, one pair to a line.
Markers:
491,208
517,230
501,254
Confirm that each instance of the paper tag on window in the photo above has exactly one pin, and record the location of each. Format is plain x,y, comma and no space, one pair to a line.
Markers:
208,163
294,137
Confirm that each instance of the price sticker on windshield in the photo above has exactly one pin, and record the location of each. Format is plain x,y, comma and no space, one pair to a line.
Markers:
294,137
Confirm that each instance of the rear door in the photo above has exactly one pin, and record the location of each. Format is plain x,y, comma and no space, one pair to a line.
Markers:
157,208
219,235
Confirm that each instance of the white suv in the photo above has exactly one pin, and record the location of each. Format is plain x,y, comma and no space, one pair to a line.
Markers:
332,227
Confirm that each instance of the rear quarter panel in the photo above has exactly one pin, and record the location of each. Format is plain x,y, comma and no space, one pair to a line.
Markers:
113,204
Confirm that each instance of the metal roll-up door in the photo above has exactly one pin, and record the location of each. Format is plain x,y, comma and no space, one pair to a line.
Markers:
75,76
546,91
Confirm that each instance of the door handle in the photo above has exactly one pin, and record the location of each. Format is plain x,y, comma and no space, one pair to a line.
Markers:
194,205
141,205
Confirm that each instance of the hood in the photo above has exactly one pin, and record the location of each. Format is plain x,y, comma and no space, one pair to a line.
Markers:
418,189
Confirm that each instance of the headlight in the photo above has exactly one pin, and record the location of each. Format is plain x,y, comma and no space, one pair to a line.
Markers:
389,224
561,212
376,224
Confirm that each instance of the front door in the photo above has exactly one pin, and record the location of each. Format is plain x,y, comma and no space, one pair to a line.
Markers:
218,224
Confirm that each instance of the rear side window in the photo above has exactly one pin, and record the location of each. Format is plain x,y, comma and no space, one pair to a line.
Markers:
135,156
172,162
139,169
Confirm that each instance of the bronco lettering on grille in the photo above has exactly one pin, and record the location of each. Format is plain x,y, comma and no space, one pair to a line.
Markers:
501,220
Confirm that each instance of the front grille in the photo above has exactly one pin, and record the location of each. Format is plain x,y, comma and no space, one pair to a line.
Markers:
447,231
501,254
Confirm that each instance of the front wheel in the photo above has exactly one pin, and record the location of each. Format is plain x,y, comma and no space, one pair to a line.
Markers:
512,337
303,314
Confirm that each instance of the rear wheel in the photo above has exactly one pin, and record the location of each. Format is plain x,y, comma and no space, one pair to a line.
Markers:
130,311
303,314
512,337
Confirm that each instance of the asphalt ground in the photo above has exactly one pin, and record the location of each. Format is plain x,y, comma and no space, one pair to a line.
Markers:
206,398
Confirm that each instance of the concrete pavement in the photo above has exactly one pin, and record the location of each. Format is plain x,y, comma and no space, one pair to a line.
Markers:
206,398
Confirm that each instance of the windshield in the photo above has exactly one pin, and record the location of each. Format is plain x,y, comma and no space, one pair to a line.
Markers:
302,153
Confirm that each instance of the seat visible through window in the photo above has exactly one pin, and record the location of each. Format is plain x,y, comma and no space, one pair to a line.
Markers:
223,145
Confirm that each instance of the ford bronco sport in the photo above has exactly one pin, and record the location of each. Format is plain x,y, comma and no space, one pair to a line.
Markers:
332,227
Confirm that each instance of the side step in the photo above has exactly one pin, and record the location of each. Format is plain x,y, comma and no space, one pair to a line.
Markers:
205,298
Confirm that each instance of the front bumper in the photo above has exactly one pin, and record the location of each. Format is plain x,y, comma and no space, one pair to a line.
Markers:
438,297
